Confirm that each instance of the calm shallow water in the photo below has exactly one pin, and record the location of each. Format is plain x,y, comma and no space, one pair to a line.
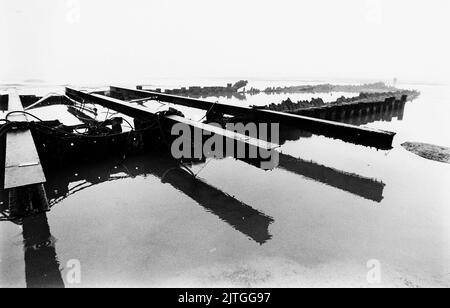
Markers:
242,226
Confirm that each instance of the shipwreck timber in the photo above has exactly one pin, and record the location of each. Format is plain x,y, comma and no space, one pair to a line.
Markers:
166,119
367,188
229,90
24,174
359,135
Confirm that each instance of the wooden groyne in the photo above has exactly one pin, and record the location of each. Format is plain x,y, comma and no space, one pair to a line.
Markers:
348,111
371,98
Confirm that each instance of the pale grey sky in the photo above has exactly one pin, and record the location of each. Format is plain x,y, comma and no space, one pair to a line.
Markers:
69,41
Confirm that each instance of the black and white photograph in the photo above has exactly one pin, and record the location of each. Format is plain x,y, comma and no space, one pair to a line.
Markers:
224,150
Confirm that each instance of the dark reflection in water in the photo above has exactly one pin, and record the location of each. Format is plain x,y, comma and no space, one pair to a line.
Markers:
41,264
237,214
361,186
367,188
364,187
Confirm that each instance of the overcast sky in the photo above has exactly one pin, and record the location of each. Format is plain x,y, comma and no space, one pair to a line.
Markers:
68,41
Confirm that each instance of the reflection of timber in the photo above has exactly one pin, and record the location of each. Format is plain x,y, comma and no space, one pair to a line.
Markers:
240,216
355,184
41,264
361,186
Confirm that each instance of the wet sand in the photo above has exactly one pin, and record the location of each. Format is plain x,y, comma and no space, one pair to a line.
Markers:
429,151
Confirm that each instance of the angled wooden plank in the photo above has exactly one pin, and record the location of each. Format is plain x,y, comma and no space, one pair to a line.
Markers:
22,164
226,133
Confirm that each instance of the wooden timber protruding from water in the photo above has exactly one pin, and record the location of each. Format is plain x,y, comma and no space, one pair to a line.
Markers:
22,164
358,135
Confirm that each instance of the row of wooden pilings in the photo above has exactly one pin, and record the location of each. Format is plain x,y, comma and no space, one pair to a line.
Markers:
363,111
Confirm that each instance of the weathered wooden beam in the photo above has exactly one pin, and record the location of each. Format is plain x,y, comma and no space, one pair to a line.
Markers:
83,117
22,164
358,135
144,113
